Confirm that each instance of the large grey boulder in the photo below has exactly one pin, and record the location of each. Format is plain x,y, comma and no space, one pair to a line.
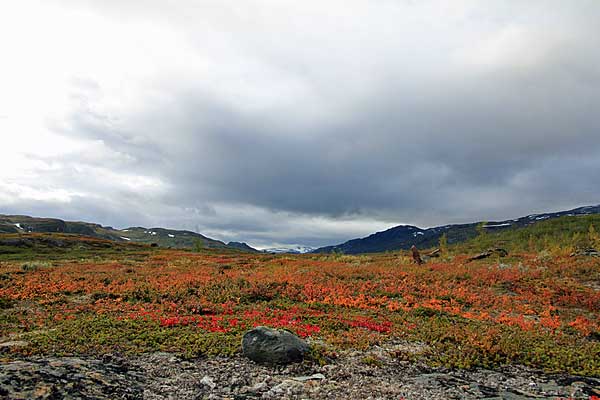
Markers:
273,346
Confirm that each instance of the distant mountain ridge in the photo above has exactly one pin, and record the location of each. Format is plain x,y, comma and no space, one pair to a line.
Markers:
395,238
161,236
405,236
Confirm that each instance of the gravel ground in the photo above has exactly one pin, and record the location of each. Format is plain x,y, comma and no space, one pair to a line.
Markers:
166,376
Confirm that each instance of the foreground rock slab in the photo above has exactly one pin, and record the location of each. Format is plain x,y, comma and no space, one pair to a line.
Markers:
69,378
160,376
273,346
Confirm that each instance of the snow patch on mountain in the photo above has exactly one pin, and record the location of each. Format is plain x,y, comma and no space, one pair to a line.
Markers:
298,249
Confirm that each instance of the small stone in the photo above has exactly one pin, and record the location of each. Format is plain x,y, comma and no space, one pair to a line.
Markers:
207,381
316,377
42,390
236,381
286,388
260,386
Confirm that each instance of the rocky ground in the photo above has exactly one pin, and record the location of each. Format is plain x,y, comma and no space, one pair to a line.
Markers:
375,374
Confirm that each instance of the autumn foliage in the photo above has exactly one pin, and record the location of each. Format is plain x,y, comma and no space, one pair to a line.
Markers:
539,311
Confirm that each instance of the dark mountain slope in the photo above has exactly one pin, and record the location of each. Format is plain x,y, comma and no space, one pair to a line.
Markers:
404,236
242,246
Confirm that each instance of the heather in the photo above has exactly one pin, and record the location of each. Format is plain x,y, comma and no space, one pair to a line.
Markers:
538,309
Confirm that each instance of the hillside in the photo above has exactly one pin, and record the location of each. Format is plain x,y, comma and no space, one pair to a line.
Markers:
53,246
242,246
566,232
162,237
405,236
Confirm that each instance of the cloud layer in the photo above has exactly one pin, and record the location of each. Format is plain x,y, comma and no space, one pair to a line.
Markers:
278,122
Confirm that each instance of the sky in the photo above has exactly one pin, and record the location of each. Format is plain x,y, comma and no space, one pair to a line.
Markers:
279,122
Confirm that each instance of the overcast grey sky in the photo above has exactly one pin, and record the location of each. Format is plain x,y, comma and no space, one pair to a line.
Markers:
298,122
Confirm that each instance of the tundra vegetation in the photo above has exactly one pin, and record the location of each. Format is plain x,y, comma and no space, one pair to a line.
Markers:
537,307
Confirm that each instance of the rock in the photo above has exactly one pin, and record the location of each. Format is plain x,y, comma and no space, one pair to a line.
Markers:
207,381
490,252
435,253
480,256
162,376
260,386
499,251
7,346
589,252
68,378
285,389
273,346
315,377
594,336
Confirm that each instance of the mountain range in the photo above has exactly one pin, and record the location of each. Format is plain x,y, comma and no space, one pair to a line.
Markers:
161,236
405,236
396,238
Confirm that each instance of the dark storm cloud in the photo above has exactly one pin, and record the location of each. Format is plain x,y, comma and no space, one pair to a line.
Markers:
489,114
